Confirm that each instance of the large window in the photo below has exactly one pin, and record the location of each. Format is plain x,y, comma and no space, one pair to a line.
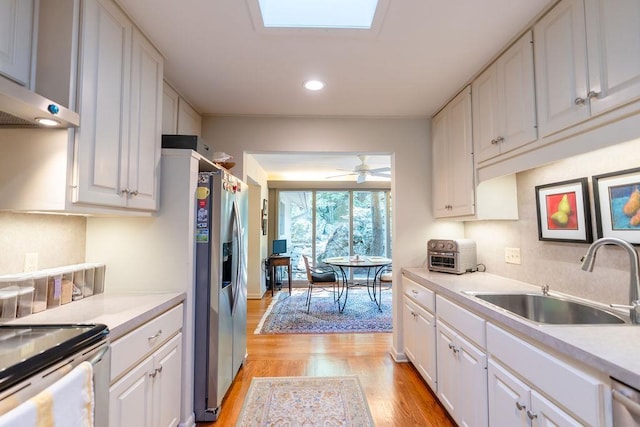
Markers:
323,224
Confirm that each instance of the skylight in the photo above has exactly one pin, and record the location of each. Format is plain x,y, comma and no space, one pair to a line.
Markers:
355,14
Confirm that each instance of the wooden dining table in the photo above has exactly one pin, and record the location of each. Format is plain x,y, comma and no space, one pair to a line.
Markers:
373,264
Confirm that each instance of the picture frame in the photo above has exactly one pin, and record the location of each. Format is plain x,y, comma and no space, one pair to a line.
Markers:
564,213
264,208
616,197
264,226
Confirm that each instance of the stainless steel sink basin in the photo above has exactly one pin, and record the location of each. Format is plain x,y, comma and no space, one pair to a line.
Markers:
551,309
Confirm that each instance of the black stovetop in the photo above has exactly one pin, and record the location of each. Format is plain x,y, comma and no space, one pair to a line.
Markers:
28,349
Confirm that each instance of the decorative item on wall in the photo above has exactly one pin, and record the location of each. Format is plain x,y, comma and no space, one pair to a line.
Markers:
563,211
617,199
264,217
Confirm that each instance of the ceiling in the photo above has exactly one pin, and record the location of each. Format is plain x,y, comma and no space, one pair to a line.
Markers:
219,57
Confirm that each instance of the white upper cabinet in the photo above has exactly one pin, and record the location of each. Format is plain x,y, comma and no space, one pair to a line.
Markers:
178,117
504,116
120,97
453,176
613,41
586,67
561,67
189,121
16,29
169,110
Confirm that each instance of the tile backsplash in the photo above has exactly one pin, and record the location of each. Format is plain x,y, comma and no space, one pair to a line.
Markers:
557,263
56,239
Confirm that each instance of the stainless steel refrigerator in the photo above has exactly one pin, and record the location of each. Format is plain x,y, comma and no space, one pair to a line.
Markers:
220,289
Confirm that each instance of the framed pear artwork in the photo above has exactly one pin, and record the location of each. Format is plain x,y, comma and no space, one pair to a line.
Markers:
616,196
563,211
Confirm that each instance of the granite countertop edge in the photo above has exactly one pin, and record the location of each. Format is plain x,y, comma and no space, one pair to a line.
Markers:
611,349
121,312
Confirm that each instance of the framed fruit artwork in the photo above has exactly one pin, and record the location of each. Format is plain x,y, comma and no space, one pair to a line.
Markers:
564,213
617,202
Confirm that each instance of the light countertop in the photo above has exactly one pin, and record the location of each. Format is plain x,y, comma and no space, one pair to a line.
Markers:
611,349
121,313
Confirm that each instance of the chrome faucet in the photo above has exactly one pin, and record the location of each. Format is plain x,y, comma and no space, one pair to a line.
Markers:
634,270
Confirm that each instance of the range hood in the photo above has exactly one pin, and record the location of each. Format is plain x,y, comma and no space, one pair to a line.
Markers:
20,107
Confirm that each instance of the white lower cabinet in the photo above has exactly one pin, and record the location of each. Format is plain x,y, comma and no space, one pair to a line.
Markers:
420,329
420,340
530,386
514,403
146,374
462,377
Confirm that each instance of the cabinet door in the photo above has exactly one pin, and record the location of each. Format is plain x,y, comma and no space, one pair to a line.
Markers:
508,398
102,139
441,182
472,384
545,414
425,345
169,110
410,324
16,27
461,163
142,175
189,121
167,388
130,399
516,96
561,67
613,40
485,114
448,374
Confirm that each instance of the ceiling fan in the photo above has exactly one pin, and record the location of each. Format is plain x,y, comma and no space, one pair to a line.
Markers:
363,170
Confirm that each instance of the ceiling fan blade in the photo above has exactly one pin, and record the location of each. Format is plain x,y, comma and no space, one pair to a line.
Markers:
338,176
361,178
381,174
377,170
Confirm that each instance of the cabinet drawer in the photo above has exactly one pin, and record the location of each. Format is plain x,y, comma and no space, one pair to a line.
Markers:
580,393
464,321
423,296
133,347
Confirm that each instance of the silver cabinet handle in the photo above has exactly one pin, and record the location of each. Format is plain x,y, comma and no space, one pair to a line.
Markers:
494,141
153,337
499,139
154,373
531,415
134,193
579,101
125,191
454,348
413,291
593,94
520,406
159,369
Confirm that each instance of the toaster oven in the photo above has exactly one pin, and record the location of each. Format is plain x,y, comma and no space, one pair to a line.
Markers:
455,256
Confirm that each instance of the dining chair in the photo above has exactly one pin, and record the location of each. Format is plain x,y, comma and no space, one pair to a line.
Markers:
320,277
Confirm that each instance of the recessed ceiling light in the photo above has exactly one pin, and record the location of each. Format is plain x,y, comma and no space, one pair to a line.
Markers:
47,122
314,85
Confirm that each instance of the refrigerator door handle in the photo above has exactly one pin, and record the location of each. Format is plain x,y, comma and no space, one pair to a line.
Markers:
236,283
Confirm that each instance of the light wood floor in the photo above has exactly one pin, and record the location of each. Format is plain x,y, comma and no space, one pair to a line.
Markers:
396,393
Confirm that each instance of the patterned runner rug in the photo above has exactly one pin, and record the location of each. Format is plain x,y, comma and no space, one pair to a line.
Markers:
305,401
288,314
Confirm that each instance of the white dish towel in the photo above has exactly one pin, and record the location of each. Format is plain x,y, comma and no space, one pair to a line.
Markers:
67,403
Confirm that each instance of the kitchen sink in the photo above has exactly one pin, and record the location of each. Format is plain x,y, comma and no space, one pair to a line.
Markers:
550,309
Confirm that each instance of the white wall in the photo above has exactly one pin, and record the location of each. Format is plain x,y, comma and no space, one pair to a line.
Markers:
406,140
258,243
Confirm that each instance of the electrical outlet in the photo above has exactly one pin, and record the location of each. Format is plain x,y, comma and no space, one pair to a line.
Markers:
512,255
30,261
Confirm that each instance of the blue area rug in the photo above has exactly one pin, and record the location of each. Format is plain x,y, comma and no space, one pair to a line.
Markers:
288,314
